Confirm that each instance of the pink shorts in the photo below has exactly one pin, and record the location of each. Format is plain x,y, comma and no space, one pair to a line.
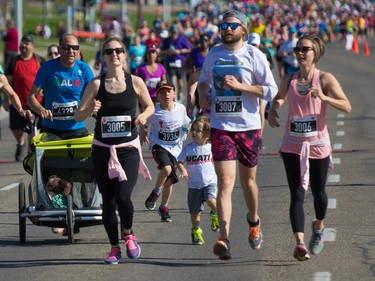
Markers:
242,146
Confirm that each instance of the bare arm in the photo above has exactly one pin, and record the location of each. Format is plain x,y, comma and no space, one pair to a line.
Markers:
192,87
12,95
278,101
35,105
88,105
183,171
148,107
335,96
204,95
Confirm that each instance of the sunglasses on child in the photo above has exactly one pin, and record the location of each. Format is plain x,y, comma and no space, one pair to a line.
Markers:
303,50
53,54
116,50
67,47
232,25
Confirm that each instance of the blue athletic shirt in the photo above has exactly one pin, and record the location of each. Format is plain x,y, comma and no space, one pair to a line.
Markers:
63,89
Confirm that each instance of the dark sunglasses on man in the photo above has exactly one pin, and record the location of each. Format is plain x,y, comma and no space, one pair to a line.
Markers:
232,25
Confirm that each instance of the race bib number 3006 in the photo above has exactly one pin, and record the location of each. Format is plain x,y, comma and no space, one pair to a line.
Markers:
303,126
116,126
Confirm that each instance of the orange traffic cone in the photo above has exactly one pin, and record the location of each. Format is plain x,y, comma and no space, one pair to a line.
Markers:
366,51
355,48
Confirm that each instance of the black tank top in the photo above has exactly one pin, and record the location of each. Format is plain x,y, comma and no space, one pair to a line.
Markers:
121,104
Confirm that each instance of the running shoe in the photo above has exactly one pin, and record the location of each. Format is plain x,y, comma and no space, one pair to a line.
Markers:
300,252
196,236
317,240
255,237
151,200
19,150
133,250
222,249
114,256
164,213
214,221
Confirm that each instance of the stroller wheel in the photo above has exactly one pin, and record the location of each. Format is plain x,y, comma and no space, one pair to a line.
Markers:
22,209
70,220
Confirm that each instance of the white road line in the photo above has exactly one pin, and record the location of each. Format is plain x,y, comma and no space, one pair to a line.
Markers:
340,115
340,133
9,186
322,276
336,161
332,203
337,146
333,178
329,234
340,123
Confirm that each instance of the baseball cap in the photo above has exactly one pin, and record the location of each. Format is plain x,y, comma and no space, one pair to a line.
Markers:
254,39
151,48
27,38
164,84
237,15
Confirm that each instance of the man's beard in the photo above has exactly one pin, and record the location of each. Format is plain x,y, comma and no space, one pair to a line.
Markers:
235,38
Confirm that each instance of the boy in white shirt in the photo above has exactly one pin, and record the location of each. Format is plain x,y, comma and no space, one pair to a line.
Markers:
169,125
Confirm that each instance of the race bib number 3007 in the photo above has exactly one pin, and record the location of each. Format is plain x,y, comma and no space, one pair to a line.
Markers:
228,106
116,126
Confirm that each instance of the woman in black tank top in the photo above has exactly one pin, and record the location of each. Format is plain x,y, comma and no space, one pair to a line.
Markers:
116,151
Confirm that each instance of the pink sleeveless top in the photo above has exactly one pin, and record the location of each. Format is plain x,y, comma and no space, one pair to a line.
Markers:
306,123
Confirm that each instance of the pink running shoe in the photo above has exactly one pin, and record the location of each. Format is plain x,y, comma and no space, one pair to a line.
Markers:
114,256
132,248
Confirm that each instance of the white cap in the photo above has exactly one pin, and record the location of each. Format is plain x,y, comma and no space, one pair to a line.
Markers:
254,39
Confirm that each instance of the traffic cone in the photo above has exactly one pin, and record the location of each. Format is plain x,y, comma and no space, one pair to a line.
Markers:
366,51
355,48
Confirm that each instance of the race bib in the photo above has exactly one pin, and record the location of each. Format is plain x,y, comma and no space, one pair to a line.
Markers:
228,106
177,63
116,126
303,126
64,111
168,136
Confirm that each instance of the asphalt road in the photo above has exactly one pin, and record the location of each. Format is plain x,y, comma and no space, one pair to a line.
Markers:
167,253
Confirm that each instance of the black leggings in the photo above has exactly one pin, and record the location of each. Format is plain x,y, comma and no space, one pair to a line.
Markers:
116,195
318,179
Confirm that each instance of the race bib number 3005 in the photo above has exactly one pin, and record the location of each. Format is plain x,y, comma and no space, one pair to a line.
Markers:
116,126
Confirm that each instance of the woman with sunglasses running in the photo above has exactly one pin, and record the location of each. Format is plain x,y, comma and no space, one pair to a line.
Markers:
116,150
306,149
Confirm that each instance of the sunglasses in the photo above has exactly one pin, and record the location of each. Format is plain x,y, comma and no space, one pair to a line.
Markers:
303,50
116,50
53,54
232,25
67,47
